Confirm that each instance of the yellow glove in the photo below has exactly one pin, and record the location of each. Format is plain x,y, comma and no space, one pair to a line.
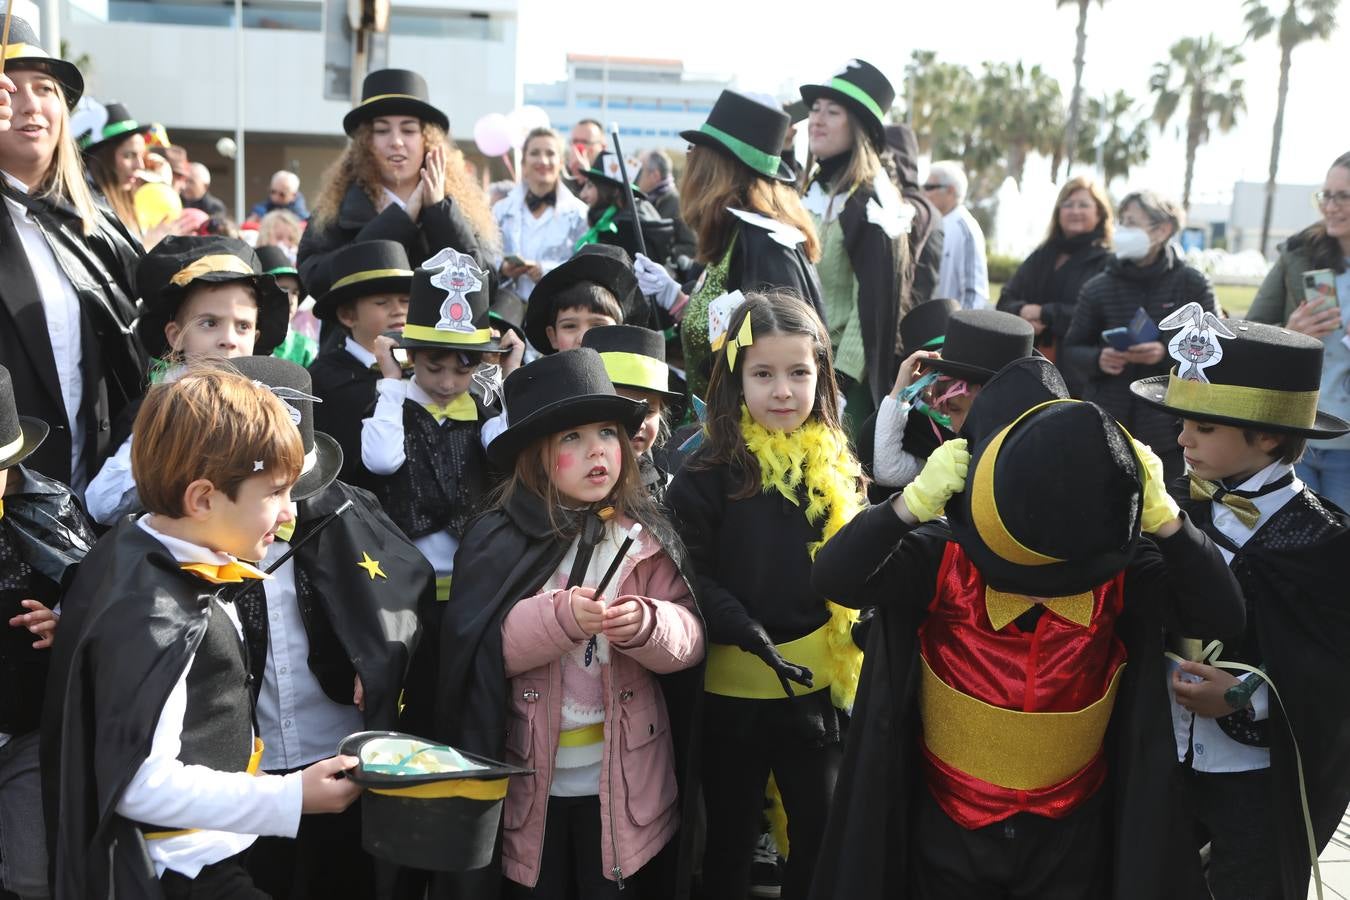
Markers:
1159,507
943,475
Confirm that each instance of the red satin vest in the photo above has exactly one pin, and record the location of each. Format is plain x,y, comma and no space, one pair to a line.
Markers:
1060,666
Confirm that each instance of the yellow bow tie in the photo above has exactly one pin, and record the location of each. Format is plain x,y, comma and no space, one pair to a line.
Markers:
2,509
1242,507
285,532
1002,608
461,409
232,572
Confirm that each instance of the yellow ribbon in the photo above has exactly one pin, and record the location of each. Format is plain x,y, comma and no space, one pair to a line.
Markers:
461,409
1242,507
442,336
370,275
1211,656
732,672
391,97
466,788
636,370
218,262
1292,409
585,736
232,572
287,531
254,763
744,338
1003,607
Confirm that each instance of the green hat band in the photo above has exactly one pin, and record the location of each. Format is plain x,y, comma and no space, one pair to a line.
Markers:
857,93
109,132
755,158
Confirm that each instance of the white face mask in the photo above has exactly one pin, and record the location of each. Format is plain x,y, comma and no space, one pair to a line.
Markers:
1132,242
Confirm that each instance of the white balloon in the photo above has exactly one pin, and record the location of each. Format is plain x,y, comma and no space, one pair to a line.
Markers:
492,134
226,147
526,119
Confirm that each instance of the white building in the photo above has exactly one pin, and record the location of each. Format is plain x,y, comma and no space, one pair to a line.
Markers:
652,100
173,62
1293,211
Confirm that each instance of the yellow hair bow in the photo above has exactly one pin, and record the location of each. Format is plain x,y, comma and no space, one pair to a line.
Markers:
744,338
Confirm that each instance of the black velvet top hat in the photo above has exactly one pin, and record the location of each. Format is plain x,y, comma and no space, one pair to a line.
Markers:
1266,378
602,264
560,391
507,311
866,93
291,384
448,306
118,127
634,357
178,261
979,342
1053,500
19,435
394,92
924,327
24,53
747,130
605,169
362,270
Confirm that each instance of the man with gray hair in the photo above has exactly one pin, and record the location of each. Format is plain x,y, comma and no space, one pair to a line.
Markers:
197,194
656,179
283,193
964,276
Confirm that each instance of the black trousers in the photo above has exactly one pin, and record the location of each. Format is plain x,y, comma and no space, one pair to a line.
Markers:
225,880
570,865
743,741
1234,812
1025,857
324,860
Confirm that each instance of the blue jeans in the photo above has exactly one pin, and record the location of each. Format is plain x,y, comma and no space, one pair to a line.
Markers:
1327,474
23,839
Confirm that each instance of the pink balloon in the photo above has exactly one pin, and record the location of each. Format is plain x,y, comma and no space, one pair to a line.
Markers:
492,134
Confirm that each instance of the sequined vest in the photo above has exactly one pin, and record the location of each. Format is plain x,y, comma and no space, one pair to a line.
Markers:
443,477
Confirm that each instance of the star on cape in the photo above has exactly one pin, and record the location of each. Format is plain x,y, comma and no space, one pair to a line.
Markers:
372,566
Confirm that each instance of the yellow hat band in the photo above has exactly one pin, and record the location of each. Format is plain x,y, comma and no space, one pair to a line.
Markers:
1291,409
220,262
449,338
467,788
636,370
370,275
377,97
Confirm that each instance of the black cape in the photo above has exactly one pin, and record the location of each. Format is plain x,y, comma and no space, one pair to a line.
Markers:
867,841
508,554
1297,610
47,523
131,621
347,389
881,266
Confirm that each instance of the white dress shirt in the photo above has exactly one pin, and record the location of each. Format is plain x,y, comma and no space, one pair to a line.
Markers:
1214,750
964,274
547,240
230,808
363,356
61,305
300,724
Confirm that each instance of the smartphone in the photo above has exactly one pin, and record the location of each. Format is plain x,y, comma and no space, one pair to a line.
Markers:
1319,288
1118,338
514,260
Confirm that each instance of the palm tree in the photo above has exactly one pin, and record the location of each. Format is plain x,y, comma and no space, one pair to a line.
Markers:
1201,68
1020,112
1115,134
1076,101
1302,20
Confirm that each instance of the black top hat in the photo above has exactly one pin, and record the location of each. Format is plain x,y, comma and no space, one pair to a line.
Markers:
116,128
862,88
165,273
924,327
602,264
448,305
394,92
275,262
507,310
292,385
19,435
748,130
560,391
1053,499
363,269
634,357
605,168
979,342
25,53
1266,378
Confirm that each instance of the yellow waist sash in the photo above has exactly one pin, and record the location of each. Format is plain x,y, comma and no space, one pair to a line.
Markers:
733,672
585,736
1021,751
254,761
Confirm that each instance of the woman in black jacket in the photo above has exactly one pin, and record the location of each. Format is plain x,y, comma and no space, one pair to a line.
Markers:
400,179
1044,290
1146,273
67,270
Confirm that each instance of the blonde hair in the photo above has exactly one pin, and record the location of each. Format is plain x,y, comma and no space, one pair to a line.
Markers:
1106,218
713,181
212,424
64,179
275,221
358,165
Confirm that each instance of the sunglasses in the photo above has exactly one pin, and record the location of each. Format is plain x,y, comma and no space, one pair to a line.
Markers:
934,187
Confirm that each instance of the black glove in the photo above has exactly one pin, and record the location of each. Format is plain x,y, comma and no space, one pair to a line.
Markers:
756,641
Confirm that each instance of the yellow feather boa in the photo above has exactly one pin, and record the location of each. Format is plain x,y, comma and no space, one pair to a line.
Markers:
819,457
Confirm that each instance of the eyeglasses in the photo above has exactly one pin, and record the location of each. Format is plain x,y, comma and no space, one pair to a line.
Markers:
1325,198
933,187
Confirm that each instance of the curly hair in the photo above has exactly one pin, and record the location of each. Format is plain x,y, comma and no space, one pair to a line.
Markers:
358,165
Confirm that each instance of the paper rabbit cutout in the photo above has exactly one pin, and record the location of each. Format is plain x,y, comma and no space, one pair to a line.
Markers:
1196,345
